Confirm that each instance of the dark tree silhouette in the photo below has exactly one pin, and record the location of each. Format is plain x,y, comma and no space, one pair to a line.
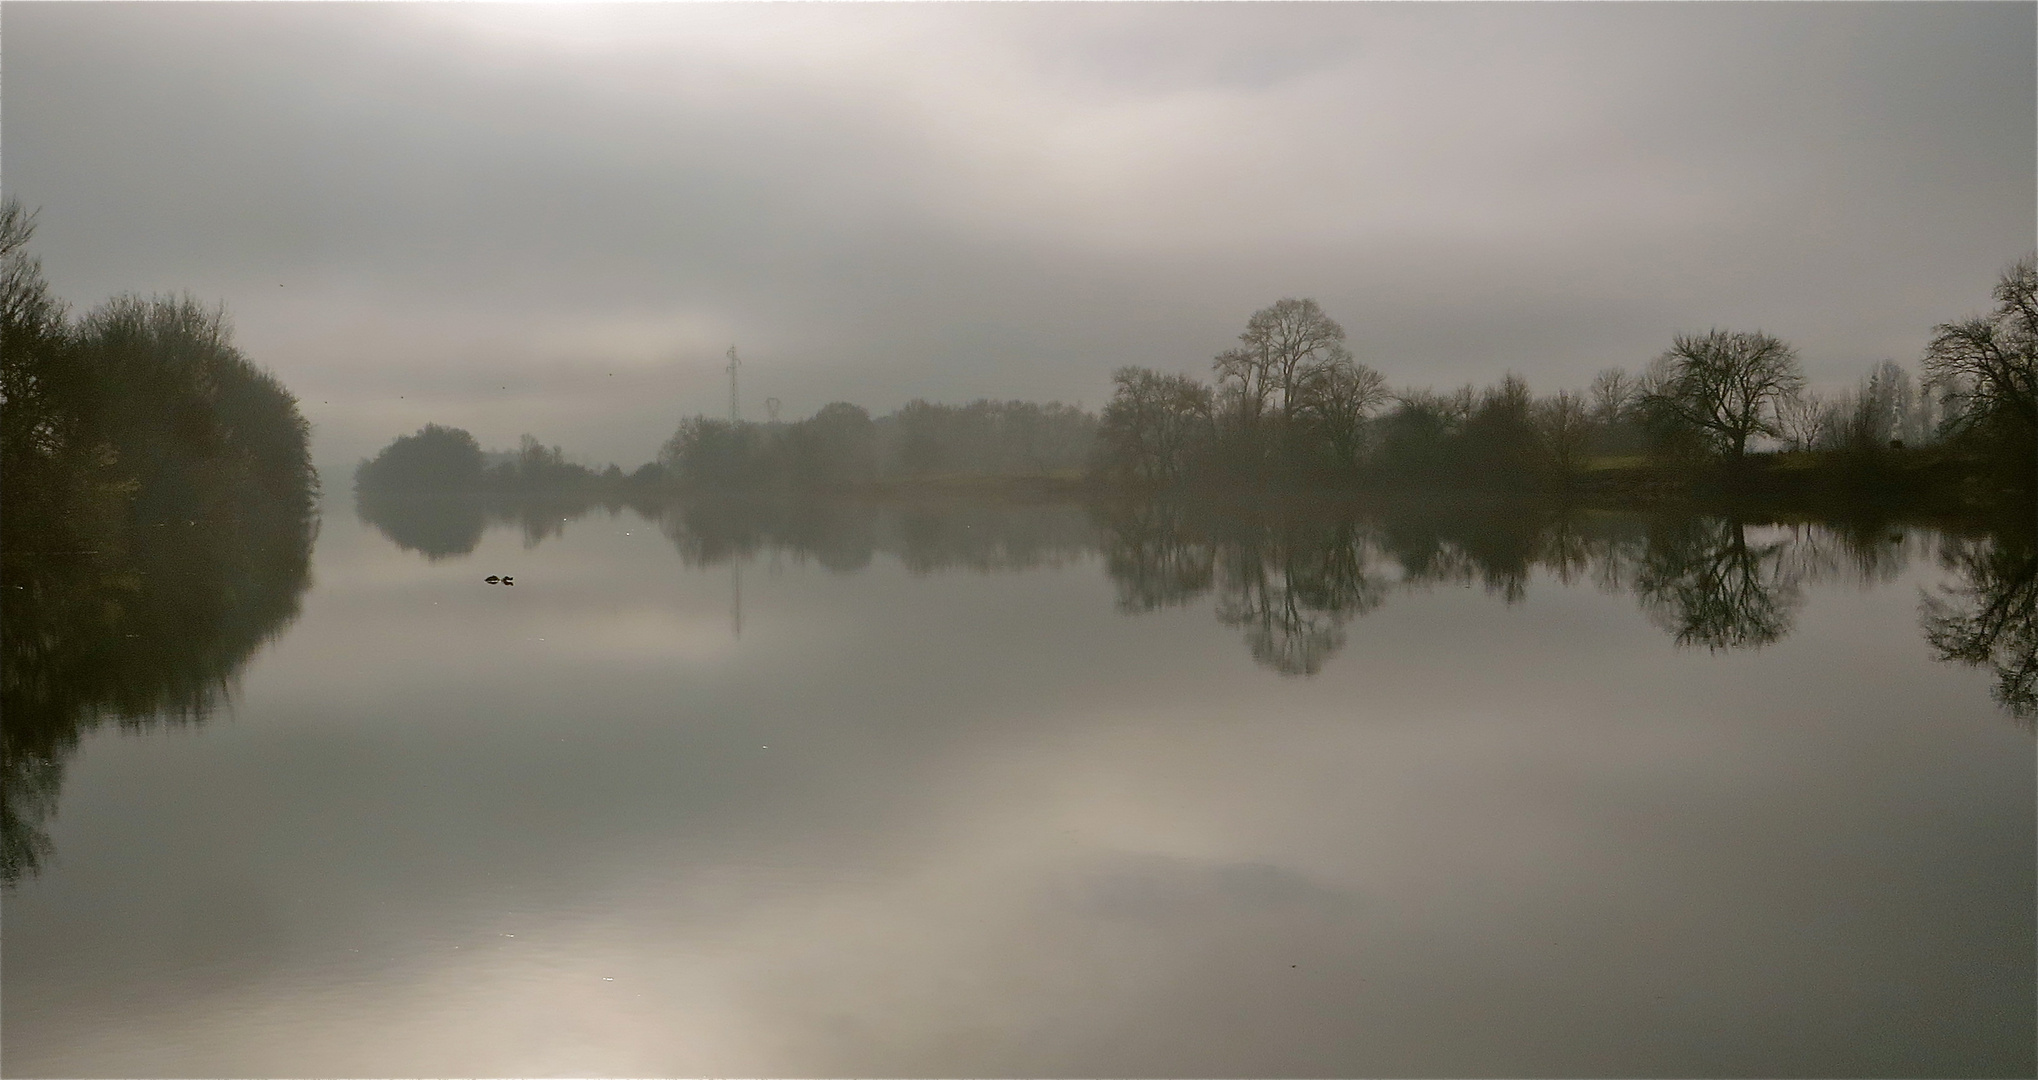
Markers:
1564,432
835,448
1153,427
1498,443
62,489
1337,399
1723,386
433,461
1987,368
1418,439
158,524
1282,345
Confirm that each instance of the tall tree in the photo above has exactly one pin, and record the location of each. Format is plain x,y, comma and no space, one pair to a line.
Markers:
61,487
1152,425
1802,419
1987,369
1498,442
1337,398
1564,428
1724,385
1280,345
1613,397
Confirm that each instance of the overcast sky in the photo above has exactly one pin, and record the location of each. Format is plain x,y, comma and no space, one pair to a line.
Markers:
555,219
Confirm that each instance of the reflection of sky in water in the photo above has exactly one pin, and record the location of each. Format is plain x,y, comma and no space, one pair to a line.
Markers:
984,823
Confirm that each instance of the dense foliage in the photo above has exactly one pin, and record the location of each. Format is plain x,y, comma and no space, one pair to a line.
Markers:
158,516
438,460
842,446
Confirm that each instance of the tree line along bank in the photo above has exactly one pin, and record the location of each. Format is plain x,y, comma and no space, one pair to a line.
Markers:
1289,408
840,447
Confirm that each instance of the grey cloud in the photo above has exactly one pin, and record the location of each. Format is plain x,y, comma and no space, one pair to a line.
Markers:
399,202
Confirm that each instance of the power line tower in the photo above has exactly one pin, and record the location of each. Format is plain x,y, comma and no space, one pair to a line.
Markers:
735,404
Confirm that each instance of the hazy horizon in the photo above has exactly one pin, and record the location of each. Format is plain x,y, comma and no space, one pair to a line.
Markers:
554,220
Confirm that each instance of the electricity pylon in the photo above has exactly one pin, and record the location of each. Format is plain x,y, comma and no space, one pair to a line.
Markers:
735,404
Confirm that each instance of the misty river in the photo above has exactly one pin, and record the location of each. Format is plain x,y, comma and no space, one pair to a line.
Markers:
975,789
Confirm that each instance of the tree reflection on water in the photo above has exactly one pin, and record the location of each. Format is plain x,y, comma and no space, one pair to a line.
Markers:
153,634
450,526
1988,615
1703,582
1291,579
1290,587
157,632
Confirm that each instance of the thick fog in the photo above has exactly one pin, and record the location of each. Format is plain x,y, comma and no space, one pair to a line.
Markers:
556,219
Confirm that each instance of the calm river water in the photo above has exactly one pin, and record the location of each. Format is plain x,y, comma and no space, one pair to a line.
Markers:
1046,791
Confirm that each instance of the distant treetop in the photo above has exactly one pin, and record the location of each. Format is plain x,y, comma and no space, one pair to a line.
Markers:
435,460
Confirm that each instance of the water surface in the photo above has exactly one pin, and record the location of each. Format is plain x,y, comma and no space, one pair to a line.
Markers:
827,789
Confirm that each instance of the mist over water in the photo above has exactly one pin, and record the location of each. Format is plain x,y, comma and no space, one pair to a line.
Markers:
805,786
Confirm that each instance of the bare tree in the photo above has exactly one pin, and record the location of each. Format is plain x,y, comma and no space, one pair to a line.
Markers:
1152,423
1243,385
1893,398
1497,443
1337,398
1801,420
1987,366
1280,345
1724,385
1565,429
1614,392
41,390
